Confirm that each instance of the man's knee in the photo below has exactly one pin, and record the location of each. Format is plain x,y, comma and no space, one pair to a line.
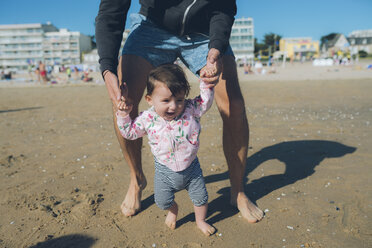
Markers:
232,107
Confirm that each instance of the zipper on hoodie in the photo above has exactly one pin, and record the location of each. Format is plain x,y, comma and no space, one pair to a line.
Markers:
173,140
185,15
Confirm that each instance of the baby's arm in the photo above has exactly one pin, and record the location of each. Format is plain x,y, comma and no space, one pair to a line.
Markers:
130,129
204,101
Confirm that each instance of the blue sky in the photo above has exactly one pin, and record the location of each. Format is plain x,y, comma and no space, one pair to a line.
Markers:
288,18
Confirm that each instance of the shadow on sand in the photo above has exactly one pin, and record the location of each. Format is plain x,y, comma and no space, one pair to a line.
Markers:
300,159
20,109
68,241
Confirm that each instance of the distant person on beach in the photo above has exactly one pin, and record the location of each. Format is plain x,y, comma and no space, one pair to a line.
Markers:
7,74
76,73
258,67
198,33
43,72
68,72
173,127
30,72
37,73
86,78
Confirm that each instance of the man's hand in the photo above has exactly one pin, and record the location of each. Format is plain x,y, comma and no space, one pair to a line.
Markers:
112,85
211,72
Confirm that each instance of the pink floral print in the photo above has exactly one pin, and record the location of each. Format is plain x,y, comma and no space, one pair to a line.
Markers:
174,143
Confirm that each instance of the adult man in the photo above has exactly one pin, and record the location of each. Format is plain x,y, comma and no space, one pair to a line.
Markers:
196,31
43,72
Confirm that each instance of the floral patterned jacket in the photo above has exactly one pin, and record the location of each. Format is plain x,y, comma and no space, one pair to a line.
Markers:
174,143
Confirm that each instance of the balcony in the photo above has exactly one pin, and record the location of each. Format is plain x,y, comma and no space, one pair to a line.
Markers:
11,63
56,47
19,49
56,40
23,33
62,55
20,41
20,56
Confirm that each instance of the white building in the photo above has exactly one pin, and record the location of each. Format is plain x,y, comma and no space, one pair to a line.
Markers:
338,43
90,60
64,47
360,40
242,38
24,44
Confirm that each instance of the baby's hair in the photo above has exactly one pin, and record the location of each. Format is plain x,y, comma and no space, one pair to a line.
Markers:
172,76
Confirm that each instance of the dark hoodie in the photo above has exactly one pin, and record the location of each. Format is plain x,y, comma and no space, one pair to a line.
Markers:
180,17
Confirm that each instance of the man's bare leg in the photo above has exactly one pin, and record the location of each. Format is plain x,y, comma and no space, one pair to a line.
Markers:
230,103
133,70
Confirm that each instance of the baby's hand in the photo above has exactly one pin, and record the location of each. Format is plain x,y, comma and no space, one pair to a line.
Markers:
210,72
124,109
124,106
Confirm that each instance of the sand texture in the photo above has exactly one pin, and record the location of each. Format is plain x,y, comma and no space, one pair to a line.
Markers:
63,178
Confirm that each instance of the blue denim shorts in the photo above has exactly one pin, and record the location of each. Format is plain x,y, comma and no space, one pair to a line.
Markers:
158,46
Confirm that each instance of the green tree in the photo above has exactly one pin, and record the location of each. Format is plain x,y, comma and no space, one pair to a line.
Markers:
258,46
362,54
93,41
272,40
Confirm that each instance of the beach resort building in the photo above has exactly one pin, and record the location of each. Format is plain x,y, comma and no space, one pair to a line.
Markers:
65,47
299,48
360,40
338,44
90,59
22,45
242,38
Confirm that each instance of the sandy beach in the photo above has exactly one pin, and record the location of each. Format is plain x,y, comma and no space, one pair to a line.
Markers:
309,166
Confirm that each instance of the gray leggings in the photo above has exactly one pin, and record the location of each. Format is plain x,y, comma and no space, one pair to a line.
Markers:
168,182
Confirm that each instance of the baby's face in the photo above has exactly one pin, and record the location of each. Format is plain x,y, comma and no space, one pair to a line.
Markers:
165,104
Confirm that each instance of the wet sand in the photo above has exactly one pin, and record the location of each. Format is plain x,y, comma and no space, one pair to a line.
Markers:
63,177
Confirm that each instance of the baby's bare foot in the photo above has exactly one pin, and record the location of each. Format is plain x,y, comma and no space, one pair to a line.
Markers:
171,219
132,202
247,208
205,228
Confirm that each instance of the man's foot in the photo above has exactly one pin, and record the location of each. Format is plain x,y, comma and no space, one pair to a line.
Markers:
205,228
248,209
132,202
171,219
